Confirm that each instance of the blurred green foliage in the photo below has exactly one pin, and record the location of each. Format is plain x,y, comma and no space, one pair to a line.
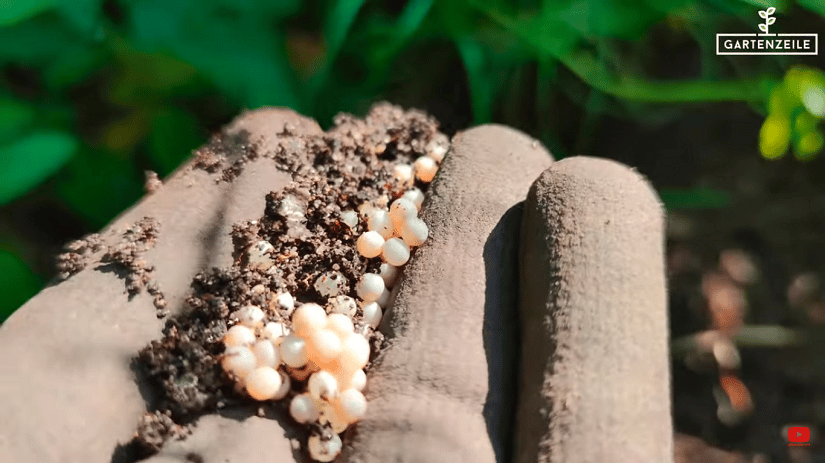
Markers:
796,107
94,92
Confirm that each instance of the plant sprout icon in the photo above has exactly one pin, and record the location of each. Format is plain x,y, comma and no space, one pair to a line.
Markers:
766,15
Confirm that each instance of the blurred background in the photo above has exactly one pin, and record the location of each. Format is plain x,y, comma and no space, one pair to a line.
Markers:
93,93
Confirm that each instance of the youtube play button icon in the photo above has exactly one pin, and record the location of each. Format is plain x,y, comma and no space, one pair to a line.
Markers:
799,434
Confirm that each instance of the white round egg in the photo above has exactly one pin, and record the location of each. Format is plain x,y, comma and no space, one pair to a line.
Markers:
324,450
294,351
379,221
395,252
239,335
370,287
263,383
425,168
303,409
308,318
369,244
372,314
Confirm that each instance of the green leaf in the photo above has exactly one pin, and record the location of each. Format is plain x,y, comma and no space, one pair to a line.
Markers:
174,134
482,83
37,41
75,64
14,117
775,136
98,185
17,284
607,18
816,6
807,145
14,11
338,22
29,161
694,198
82,14
411,18
244,56
148,76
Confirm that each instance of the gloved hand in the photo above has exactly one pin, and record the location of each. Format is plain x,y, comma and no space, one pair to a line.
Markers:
530,331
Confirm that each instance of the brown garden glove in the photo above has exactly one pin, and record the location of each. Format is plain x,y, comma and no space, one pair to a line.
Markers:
522,331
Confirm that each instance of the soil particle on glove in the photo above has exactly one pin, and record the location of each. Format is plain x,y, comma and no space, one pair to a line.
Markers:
152,183
156,428
78,255
127,254
215,156
300,245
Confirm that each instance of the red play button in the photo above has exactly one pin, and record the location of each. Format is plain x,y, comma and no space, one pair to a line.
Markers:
799,434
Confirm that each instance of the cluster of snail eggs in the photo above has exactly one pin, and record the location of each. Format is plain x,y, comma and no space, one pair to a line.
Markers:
323,347
391,234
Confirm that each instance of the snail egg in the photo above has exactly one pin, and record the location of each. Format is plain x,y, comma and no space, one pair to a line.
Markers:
343,305
379,221
331,284
395,252
332,415
365,209
371,286
285,302
437,148
294,351
324,346
273,331
414,232
263,383
323,386
352,404
286,384
266,354
389,273
239,335
308,318
369,244
339,324
425,168
349,218
250,316
239,361
355,353
358,380
324,450
384,300
400,210
303,409
372,314
416,196
403,173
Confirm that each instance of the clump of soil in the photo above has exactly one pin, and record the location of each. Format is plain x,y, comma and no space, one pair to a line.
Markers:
300,245
155,428
78,255
127,254
213,157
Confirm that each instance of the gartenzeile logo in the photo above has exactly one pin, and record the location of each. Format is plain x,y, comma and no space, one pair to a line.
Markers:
767,43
